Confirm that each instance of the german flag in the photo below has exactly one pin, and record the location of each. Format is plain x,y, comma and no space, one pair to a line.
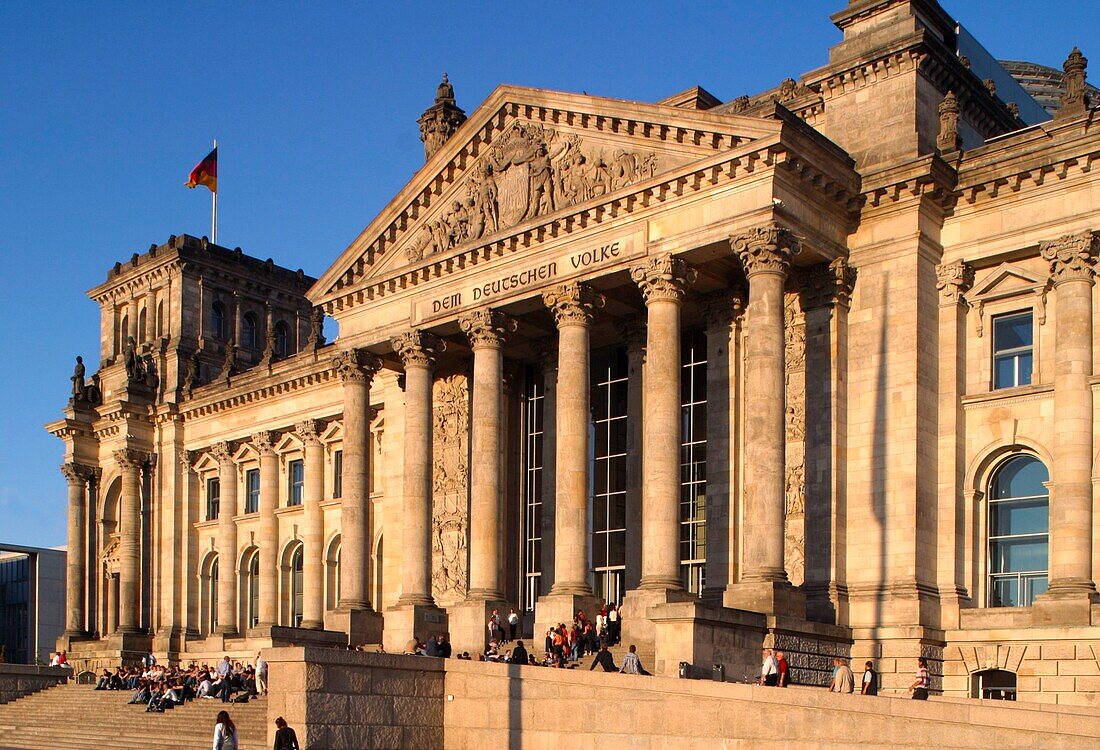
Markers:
206,173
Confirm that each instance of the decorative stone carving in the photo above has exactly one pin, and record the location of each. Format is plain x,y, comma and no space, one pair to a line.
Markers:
794,334
76,473
222,452
487,328
790,89
663,277
827,284
948,139
990,86
1072,257
356,365
1075,100
134,370
573,304
191,376
450,489
79,390
316,328
129,459
723,307
529,171
440,121
309,430
766,249
954,280
150,376
264,442
418,348
794,329
229,366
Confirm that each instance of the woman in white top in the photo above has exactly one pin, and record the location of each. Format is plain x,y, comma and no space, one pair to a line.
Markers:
225,733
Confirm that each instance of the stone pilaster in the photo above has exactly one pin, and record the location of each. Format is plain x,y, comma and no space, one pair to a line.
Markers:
76,478
765,253
129,464
313,600
1072,268
227,538
264,443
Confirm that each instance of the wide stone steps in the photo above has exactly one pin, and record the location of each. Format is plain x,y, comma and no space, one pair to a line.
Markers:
78,717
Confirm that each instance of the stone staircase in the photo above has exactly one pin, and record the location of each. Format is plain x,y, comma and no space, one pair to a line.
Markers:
68,717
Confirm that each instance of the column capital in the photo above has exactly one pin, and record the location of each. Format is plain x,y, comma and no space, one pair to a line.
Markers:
663,277
766,249
77,474
185,457
487,329
130,459
264,442
1072,257
356,365
573,304
827,284
723,307
954,280
418,348
222,452
309,431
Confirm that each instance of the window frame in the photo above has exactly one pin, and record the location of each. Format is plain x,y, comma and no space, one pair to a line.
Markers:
1015,353
251,493
295,485
213,498
1022,578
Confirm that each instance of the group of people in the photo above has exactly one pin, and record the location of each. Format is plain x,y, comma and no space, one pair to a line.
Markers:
572,643
775,672
161,688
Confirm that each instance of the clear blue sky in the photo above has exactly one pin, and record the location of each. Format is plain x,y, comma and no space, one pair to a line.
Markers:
106,106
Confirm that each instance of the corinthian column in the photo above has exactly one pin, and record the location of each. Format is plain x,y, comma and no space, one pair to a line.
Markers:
313,590
765,254
487,331
418,351
264,443
227,538
129,580
76,477
1072,266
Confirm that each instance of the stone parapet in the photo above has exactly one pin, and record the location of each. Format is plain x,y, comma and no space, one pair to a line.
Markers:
17,680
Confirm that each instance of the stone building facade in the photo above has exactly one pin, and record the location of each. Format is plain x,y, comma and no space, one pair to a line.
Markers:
813,367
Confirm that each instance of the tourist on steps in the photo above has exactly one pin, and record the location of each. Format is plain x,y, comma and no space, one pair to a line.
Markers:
605,660
285,739
631,663
870,680
225,733
843,679
919,688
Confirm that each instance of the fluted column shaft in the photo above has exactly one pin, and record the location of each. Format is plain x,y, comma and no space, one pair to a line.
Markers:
1072,261
662,281
356,368
227,539
313,588
111,587
417,350
129,612
765,254
76,477
268,614
487,331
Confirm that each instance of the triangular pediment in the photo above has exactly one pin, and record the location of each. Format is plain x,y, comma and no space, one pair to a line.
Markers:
523,156
1004,280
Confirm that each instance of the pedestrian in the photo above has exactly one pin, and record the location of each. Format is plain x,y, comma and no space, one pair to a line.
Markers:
605,660
843,679
261,675
444,647
613,623
285,739
631,663
225,674
783,667
518,655
870,680
919,688
225,732
513,624
769,669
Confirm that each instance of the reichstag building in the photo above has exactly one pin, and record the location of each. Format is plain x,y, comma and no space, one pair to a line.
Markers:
812,367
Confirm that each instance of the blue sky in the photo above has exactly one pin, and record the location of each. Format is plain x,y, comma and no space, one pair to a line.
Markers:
106,106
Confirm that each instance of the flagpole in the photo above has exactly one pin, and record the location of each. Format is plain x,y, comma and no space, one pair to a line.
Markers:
214,209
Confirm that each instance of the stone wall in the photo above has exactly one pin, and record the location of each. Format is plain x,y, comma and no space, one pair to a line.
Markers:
17,680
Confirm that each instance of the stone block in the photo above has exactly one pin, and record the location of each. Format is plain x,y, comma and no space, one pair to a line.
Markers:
1059,651
1078,667
1057,684
370,709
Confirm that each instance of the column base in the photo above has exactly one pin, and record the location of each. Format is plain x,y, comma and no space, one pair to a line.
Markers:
767,597
636,626
363,626
554,609
469,623
1066,602
403,621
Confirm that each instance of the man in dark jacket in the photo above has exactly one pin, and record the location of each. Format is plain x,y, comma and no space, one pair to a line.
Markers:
519,654
605,660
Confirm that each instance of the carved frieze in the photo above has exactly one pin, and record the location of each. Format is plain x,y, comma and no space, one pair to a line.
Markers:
450,518
794,538
827,284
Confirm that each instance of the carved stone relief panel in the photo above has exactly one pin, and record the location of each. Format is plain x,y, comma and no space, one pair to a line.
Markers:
450,515
795,531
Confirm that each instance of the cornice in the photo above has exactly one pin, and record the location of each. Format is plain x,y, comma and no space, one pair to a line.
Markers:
924,177
1008,397
215,397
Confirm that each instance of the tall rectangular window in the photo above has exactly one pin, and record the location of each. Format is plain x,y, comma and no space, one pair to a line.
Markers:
1012,350
609,435
693,460
252,498
297,477
213,497
533,400
337,474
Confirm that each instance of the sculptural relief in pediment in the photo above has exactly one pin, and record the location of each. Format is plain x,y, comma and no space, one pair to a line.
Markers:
531,170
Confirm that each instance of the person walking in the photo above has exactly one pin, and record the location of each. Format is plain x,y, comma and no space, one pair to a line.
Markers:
261,675
225,732
769,669
285,738
613,623
513,624
225,674
919,688
783,667
869,684
843,679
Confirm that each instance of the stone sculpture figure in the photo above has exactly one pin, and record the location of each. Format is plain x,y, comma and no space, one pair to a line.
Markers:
191,377
134,370
79,389
150,366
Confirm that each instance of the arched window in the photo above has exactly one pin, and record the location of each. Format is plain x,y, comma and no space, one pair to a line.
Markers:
212,598
250,330
143,323
332,574
993,684
296,584
253,614
282,335
1018,532
123,332
219,323
160,320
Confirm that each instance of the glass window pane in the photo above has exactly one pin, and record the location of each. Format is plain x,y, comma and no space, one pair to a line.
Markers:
1018,517
1022,476
616,548
1004,372
1012,332
1024,365
1003,592
616,436
1018,555
1034,586
616,511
